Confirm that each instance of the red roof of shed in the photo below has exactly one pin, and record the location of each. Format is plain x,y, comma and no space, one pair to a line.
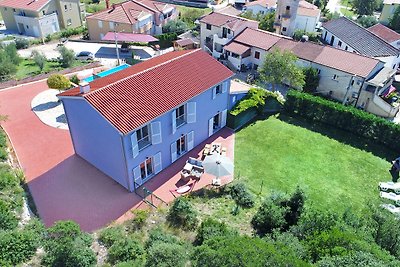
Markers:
25,4
137,95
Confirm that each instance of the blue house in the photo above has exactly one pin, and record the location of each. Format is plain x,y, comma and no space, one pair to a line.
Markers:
134,123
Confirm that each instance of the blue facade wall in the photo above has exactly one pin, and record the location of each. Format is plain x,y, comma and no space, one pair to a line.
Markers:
234,98
206,108
95,139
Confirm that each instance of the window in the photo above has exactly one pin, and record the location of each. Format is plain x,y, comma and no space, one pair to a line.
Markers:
352,82
284,29
218,89
217,121
100,23
346,48
257,55
279,16
335,77
27,26
14,10
287,8
111,24
180,116
319,71
146,168
69,22
5,9
181,145
70,6
143,137
340,43
44,12
208,26
65,7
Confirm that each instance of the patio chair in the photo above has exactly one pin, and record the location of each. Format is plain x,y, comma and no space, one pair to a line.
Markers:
183,189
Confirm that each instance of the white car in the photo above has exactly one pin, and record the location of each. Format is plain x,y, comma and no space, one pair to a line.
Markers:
391,196
84,55
390,186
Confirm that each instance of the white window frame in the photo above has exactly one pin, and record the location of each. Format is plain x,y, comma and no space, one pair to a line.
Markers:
143,137
100,24
335,77
147,175
178,116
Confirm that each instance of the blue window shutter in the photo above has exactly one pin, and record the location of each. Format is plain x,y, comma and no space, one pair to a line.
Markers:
135,146
156,137
191,112
137,177
190,140
157,163
173,121
225,86
214,92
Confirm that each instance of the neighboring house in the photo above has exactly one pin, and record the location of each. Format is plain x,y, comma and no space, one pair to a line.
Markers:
389,7
386,34
292,15
345,34
40,18
134,123
260,6
132,16
230,10
217,29
348,77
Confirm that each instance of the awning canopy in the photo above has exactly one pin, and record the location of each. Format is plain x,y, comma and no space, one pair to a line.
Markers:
129,37
184,42
381,78
236,48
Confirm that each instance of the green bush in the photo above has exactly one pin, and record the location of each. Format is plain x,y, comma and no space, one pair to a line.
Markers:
74,79
140,218
182,214
176,26
165,39
344,117
8,220
241,194
67,56
126,249
21,43
159,235
110,235
58,81
166,255
17,246
211,228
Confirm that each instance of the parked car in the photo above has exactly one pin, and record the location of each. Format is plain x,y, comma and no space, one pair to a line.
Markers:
85,55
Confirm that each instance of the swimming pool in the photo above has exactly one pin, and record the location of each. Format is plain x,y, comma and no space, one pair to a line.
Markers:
107,72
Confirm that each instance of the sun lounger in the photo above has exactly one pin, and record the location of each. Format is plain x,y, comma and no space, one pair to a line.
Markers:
390,186
392,208
391,196
183,189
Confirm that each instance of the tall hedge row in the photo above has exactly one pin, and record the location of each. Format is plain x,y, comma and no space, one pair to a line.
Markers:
344,117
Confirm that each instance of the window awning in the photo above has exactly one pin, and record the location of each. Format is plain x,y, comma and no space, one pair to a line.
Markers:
129,37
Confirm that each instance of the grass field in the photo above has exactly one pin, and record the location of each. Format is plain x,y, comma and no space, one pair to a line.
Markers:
336,169
347,12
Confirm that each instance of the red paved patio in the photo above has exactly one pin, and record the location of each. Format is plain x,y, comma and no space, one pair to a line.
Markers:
63,185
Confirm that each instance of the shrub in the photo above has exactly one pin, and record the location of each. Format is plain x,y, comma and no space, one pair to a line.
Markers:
311,79
182,214
8,220
39,59
126,249
177,26
58,81
110,235
312,36
17,246
210,228
21,43
165,39
344,117
74,79
140,218
166,255
158,235
241,194
67,57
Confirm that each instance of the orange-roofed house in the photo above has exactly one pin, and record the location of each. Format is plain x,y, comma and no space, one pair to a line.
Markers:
132,16
136,122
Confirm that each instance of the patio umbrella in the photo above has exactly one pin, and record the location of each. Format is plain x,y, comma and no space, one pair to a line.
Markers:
218,165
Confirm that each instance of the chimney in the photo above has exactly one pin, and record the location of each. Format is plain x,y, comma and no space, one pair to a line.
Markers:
84,87
107,4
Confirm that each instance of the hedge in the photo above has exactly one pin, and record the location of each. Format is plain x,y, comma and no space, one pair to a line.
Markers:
347,118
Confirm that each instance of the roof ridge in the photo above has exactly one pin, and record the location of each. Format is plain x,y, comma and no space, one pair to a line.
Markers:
145,6
143,71
125,11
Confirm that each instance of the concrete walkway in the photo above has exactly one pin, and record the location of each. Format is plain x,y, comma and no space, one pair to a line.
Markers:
49,110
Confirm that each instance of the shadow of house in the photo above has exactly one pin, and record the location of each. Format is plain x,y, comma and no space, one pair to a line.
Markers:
61,119
46,106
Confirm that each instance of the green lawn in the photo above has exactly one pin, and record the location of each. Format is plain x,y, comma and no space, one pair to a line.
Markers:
347,12
28,68
336,169
282,152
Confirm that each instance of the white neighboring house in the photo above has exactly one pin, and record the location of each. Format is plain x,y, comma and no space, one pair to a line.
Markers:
345,34
217,29
307,18
260,6
386,34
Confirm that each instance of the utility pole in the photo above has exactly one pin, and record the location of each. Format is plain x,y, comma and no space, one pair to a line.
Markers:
116,41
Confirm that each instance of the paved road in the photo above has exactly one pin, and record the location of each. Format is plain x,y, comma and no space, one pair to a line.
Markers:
63,185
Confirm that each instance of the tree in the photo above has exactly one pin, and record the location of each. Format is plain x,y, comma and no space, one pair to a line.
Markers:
182,214
295,206
166,255
364,7
279,67
311,79
211,228
177,26
58,81
67,57
39,59
367,21
266,21
11,51
126,249
394,21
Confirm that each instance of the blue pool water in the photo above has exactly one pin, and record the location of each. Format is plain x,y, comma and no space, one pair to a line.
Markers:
107,72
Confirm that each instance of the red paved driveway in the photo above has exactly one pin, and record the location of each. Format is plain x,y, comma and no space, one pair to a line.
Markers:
63,185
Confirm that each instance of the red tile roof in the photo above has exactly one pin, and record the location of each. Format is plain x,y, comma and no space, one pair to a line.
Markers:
184,42
236,48
141,93
130,11
384,32
228,21
324,55
24,4
263,3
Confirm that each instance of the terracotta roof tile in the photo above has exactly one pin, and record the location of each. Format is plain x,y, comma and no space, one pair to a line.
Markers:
183,42
236,48
24,4
257,38
141,93
384,32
